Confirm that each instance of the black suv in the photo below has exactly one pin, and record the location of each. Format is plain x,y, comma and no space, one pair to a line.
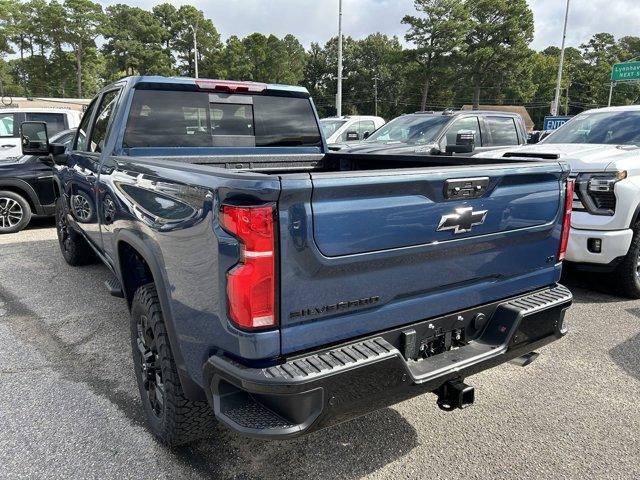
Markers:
431,132
26,188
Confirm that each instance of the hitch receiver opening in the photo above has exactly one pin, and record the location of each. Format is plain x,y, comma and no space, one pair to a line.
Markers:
455,394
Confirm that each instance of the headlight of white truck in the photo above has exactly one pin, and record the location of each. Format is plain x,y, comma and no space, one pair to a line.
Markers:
596,191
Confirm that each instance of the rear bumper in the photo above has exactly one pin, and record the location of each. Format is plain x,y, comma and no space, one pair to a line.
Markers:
327,387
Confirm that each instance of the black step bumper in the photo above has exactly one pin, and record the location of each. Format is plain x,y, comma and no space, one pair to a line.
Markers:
330,386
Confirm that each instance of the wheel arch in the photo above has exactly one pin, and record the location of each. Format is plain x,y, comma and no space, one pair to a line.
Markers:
23,189
135,265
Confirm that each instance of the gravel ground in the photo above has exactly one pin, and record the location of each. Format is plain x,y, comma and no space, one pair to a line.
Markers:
69,405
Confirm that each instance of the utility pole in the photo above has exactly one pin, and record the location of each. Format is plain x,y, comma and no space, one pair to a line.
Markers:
566,100
339,94
195,48
556,107
375,93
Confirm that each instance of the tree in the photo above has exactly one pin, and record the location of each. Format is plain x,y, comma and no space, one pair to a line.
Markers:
496,45
134,42
438,35
186,20
82,22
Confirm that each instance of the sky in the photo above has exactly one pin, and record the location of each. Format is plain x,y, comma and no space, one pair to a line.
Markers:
316,20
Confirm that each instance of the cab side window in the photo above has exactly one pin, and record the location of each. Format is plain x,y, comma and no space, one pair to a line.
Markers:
81,137
103,115
466,123
501,131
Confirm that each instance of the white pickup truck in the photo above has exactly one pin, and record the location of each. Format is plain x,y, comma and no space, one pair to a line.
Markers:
57,119
602,147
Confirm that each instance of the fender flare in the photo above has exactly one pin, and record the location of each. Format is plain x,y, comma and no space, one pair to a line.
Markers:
192,390
27,189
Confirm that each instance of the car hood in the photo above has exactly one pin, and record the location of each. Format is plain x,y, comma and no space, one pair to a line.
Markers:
582,157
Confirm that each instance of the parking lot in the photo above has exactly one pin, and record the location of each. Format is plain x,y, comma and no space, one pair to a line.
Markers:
69,404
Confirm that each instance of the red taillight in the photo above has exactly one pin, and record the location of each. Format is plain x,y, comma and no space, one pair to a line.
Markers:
251,284
566,222
231,86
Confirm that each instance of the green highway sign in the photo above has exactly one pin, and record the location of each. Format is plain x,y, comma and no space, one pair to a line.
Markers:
625,72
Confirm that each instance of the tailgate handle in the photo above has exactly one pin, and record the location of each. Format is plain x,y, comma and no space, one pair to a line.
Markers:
463,188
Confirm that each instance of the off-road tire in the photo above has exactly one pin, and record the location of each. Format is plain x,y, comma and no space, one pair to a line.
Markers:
75,249
627,274
181,420
20,207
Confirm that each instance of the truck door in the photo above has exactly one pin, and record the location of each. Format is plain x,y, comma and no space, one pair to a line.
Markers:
84,167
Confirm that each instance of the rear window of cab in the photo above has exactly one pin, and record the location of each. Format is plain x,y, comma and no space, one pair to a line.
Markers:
160,118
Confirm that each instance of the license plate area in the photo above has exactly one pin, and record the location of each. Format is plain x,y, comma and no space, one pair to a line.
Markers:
437,337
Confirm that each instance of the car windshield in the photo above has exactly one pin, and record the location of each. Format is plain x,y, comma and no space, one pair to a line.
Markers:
329,127
412,129
616,128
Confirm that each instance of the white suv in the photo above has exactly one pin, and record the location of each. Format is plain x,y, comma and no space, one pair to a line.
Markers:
349,128
58,119
603,148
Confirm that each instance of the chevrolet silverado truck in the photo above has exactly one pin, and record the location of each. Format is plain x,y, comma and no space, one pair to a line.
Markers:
602,146
282,289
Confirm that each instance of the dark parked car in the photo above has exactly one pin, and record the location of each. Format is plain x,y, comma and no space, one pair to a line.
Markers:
432,132
26,187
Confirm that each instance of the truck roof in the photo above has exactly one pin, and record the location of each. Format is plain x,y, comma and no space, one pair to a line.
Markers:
195,81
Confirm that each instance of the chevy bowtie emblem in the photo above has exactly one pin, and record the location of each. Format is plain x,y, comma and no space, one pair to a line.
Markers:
462,221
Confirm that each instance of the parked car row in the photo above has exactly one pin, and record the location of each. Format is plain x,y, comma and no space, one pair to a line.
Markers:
433,132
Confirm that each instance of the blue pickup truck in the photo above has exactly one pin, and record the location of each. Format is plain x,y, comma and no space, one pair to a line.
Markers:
280,289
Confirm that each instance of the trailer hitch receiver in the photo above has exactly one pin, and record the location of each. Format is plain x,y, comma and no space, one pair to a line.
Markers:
455,394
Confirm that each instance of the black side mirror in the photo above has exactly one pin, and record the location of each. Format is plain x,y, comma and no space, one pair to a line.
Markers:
465,142
352,136
533,137
366,135
34,138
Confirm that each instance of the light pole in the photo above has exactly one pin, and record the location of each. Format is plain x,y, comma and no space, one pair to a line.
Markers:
195,47
339,92
375,93
555,107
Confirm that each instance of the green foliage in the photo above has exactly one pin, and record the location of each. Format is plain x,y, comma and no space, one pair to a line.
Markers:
438,35
134,43
460,52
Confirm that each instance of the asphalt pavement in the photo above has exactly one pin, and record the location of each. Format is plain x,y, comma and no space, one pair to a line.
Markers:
69,406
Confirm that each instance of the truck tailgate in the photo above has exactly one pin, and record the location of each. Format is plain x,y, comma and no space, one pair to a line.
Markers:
366,251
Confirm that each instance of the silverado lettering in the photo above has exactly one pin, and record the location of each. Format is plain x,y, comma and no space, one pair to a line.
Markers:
313,311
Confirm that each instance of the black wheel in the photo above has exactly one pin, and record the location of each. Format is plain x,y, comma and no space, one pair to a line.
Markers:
15,212
628,272
75,249
173,419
